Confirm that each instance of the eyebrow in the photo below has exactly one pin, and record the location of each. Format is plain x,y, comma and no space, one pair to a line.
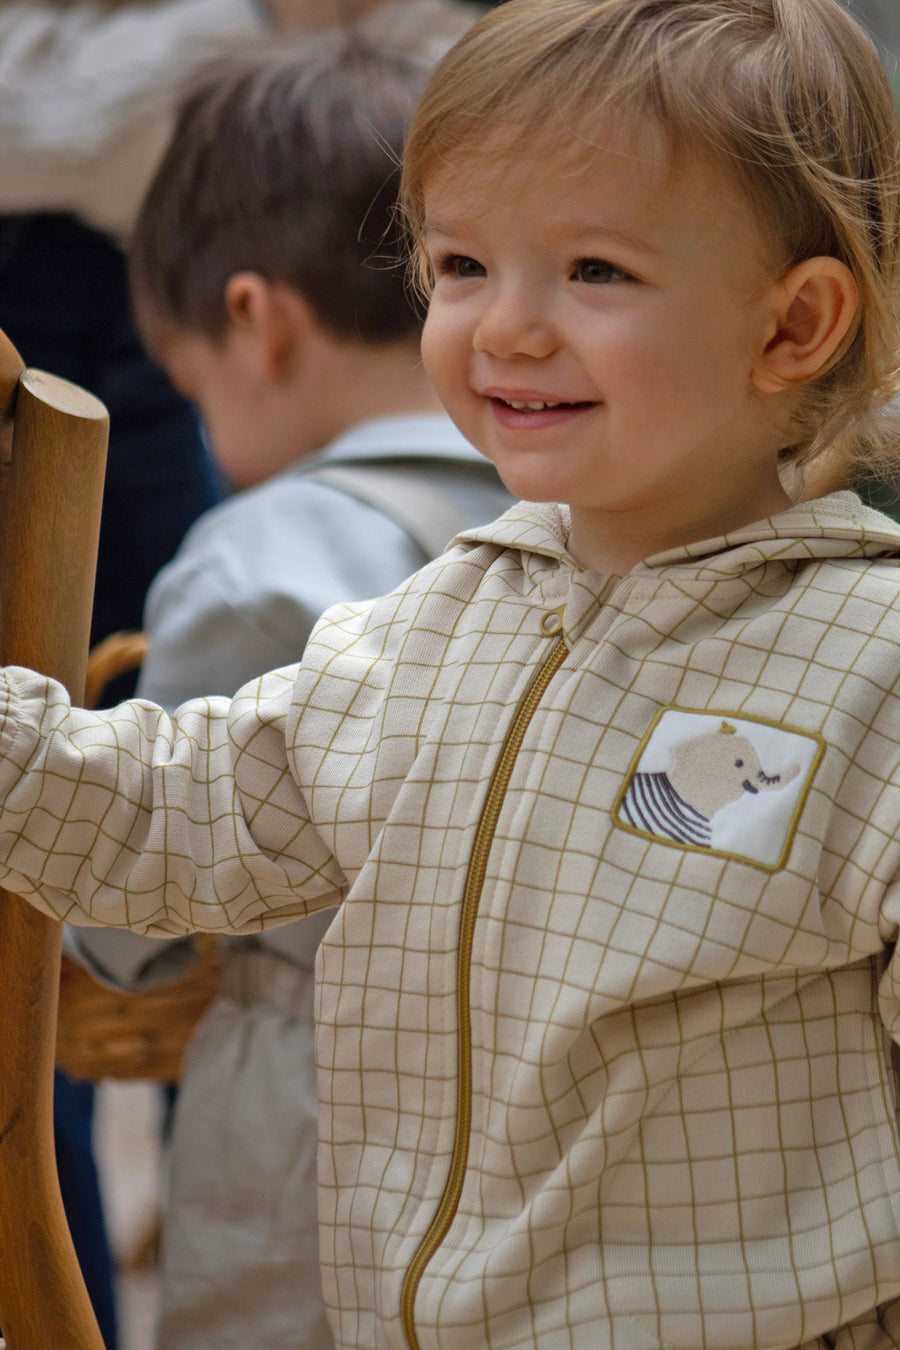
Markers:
589,230
592,230
431,226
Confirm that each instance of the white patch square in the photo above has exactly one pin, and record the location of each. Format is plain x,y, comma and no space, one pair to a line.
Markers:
713,782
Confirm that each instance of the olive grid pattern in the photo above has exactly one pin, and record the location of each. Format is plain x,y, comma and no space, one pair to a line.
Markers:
582,1085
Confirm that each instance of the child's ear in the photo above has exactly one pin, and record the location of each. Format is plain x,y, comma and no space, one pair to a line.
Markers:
275,315
810,314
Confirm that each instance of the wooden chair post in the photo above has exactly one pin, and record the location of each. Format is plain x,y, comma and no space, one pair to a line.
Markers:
51,489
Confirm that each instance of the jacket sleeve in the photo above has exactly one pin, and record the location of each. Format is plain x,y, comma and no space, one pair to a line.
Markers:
86,97
162,825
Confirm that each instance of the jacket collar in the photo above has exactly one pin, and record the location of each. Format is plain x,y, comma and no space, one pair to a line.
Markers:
836,526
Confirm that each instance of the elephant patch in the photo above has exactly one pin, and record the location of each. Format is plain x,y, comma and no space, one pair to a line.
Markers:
733,786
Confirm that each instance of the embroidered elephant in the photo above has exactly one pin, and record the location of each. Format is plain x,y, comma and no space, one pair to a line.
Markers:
707,772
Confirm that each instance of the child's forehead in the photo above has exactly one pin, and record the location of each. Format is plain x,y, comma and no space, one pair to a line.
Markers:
614,166
564,153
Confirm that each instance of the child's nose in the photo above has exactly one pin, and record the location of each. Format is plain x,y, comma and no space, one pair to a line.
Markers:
514,324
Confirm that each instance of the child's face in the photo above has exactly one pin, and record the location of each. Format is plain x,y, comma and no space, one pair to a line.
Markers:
594,329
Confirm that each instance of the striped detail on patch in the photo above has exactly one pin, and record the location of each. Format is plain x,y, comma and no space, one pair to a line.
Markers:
652,804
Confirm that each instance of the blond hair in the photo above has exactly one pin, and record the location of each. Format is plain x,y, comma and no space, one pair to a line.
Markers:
788,96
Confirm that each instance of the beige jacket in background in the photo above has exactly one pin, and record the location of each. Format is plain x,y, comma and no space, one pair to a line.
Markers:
602,1019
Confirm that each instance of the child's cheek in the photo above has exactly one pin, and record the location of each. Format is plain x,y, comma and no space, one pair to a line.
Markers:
439,353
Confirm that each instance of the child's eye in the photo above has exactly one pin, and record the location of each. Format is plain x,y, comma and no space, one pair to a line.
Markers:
597,272
458,265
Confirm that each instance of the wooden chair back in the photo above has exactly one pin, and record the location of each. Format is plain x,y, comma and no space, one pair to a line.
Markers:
53,439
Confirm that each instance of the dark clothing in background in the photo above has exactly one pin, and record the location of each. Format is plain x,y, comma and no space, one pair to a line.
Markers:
64,303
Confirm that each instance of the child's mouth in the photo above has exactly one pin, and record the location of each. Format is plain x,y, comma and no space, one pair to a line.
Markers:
538,405
535,413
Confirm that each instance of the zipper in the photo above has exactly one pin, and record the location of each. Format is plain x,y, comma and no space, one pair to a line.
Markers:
484,838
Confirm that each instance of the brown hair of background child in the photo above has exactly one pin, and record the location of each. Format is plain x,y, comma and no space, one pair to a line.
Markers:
269,171
788,96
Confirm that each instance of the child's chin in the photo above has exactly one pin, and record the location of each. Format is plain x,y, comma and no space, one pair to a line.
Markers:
529,488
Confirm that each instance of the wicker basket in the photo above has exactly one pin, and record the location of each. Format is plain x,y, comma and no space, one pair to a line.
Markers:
102,1032
115,655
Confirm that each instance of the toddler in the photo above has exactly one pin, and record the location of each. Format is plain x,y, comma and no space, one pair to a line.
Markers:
609,792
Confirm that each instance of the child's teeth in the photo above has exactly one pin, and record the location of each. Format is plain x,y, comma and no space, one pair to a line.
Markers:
535,405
